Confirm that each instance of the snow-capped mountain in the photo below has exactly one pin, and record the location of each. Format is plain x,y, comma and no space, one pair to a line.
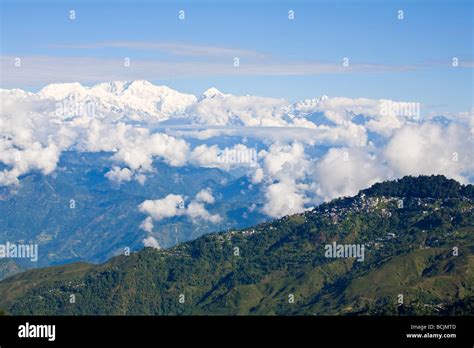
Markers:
307,105
136,100
144,102
212,93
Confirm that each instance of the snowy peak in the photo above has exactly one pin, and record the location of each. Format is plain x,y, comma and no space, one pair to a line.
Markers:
138,100
212,93
304,108
309,104
60,91
136,87
114,87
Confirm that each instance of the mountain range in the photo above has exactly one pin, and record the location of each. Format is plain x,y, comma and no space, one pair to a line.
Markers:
417,240
142,101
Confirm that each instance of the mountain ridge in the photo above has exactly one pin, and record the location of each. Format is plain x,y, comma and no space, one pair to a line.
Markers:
140,100
409,252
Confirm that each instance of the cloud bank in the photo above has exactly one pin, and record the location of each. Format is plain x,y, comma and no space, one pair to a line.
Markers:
300,154
174,205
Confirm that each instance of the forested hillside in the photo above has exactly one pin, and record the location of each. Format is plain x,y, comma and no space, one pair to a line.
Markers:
418,240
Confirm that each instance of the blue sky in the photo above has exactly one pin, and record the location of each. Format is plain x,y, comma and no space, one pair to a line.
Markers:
407,59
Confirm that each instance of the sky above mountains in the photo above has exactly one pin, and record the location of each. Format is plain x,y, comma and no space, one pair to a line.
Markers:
284,49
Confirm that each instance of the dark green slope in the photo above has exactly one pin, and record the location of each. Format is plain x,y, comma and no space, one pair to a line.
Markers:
409,251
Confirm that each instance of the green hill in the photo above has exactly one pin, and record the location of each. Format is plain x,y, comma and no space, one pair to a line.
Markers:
418,240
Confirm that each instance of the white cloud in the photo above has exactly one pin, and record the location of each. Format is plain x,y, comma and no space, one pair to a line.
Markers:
205,156
119,175
283,198
205,134
347,134
424,149
151,241
381,116
197,211
257,176
205,196
285,164
174,205
285,161
345,171
170,206
432,149
29,140
92,69
147,224
135,146
24,160
141,178
227,158
239,110
179,49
